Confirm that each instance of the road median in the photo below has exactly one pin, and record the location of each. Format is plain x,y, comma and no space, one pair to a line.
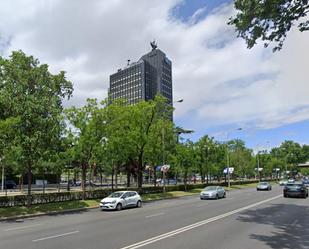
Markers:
20,212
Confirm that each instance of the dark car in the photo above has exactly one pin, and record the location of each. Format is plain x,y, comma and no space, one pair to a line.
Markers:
10,184
295,189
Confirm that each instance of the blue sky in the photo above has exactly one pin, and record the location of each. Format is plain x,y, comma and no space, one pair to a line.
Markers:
187,8
254,138
224,85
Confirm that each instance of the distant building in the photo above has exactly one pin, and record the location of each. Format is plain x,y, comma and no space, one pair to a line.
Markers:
144,79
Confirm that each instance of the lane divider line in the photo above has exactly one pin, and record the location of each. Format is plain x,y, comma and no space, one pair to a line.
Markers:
195,225
55,236
23,227
154,215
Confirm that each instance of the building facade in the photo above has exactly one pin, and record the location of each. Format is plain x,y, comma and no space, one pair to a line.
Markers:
143,80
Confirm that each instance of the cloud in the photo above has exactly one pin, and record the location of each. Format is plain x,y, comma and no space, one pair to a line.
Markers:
220,80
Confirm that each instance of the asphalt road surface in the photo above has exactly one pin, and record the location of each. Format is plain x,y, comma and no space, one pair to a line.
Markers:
245,219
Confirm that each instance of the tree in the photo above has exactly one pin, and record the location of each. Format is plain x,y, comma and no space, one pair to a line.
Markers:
269,20
206,156
86,135
185,158
30,93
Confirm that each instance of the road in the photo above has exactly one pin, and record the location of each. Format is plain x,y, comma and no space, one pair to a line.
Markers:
245,219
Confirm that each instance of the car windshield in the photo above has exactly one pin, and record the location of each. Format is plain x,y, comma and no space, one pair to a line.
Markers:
263,183
210,188
116,194
294,184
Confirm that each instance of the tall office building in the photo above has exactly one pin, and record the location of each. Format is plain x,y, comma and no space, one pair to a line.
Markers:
144,79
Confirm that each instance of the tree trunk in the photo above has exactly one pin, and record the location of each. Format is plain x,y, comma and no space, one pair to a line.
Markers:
113,171
58,182
116,178
21,183
29,185
43,182
128,179
83,183
154,176
101,178
140,178
140,168
185,179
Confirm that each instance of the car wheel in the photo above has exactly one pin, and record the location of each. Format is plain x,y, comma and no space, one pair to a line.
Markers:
118,207
139,204
285,196
217,197
224,195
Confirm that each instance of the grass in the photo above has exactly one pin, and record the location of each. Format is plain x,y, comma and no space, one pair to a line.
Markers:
61,206
249,185
46,208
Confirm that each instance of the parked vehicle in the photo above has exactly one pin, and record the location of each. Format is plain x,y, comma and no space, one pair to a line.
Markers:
121,199
283,182
306,182
213,192
263,186
291,180
10,184
295,189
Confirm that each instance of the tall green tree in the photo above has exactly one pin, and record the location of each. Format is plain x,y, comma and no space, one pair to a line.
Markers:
87,133
269,20
206,156
32,94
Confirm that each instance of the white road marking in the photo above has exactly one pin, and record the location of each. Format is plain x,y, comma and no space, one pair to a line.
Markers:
154,215
203,205
55,236
23,227
195,225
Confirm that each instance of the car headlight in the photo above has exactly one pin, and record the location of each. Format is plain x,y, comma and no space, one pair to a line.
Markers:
113,202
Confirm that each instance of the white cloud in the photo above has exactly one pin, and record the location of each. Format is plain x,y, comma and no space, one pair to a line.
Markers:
221,81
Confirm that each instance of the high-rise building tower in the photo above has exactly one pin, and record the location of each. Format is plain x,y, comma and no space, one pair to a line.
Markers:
144,79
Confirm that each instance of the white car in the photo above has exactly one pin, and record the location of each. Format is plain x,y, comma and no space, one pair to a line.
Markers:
121,199
213,192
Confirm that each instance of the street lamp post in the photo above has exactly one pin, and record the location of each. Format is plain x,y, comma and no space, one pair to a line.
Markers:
258,161
228,159
163,148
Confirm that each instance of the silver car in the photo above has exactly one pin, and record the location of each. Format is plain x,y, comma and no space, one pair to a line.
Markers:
121,199
213,192
263,186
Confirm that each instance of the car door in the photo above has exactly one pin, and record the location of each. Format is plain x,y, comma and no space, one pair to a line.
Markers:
221,191
133,198
126,199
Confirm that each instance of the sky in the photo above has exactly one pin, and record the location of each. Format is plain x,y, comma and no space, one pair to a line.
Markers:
225,86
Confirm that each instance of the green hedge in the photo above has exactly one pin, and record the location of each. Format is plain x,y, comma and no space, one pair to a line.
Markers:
21,200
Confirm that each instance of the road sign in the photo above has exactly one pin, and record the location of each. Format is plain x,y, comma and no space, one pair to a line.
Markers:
165,168
231,170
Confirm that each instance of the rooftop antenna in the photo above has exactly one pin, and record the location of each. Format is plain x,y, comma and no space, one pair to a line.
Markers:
128,62
153,45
